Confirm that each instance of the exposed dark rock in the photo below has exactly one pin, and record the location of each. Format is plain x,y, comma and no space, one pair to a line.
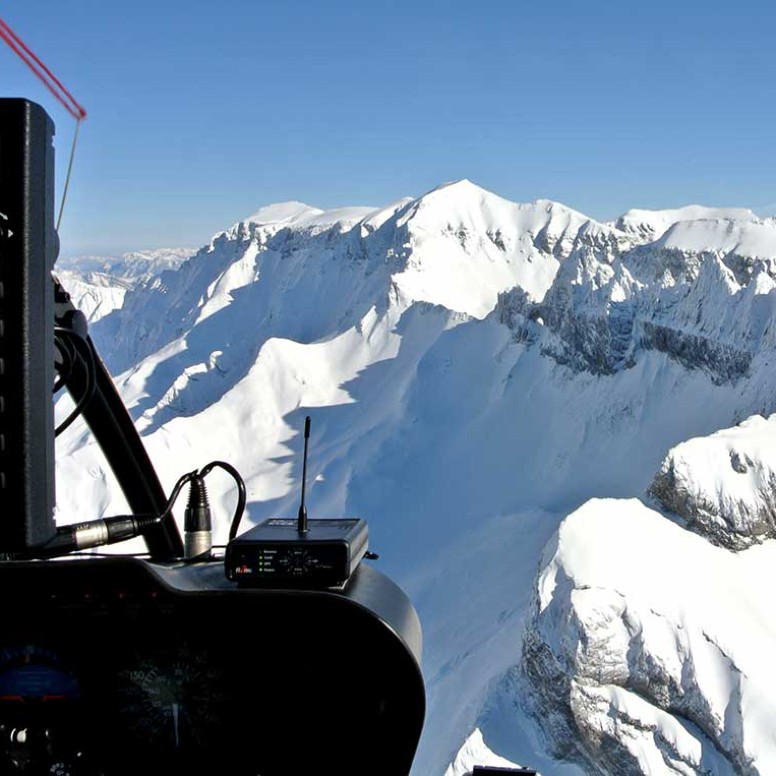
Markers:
721,515
723,362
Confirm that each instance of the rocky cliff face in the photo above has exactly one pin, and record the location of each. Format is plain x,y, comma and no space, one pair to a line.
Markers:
706,308
723,486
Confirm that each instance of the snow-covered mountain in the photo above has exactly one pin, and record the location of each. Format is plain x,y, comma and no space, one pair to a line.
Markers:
516,399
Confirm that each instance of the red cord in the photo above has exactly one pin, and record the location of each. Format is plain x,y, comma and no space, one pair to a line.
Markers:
52,83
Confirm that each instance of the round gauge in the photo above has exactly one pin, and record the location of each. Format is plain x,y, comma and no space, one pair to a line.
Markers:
173,700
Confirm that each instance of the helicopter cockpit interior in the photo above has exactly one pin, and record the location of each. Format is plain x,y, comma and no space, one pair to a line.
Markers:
173,660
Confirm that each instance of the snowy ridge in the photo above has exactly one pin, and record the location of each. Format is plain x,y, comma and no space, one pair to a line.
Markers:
477,370
431,249
283,213
749,239
649,225
297,215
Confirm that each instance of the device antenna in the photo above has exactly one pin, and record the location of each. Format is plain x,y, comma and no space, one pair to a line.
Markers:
302,519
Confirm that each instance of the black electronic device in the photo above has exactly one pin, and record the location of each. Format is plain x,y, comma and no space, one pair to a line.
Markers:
283,551
28,250
274,553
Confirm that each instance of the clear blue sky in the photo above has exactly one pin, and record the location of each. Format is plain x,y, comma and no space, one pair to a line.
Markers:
200,113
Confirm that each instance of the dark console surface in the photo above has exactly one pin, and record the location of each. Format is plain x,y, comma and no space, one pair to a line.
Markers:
119,665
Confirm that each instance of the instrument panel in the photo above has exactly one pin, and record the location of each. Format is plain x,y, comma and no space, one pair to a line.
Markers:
112,666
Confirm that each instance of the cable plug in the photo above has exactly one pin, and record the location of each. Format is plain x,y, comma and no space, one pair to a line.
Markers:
197,521
95,533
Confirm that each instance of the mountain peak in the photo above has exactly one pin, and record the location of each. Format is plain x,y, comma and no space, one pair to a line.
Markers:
462,184
462,190
459,202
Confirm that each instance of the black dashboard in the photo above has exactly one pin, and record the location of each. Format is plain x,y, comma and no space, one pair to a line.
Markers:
115,666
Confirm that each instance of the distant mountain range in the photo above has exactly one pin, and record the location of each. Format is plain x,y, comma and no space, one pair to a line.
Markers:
558,430
100,282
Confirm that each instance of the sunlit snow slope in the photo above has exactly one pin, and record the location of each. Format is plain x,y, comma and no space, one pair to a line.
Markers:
476,370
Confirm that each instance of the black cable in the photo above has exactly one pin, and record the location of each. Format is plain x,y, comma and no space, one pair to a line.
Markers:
176,492
79,537
108,530
65,369
241,498
82,348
